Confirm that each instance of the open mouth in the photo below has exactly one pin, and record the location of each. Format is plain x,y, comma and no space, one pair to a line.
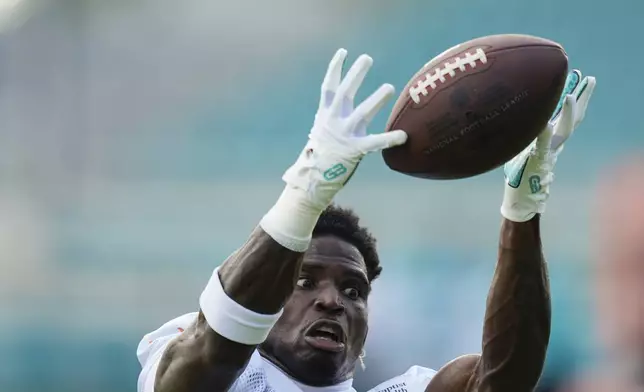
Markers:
326,335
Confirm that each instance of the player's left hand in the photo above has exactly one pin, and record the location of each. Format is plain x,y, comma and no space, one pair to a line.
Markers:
528,176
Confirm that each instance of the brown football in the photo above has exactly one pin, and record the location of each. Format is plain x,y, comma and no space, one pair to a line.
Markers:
476,105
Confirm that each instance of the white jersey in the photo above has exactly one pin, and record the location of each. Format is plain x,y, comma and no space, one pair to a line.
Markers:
260,375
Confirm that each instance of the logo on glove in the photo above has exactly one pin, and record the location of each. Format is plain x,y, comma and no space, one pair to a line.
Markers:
335,171
535,183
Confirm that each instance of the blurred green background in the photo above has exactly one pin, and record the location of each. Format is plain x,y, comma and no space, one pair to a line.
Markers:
141,141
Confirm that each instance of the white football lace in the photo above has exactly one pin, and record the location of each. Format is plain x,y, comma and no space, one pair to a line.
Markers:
449,68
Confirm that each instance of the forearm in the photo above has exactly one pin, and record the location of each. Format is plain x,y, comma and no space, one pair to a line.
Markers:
517,320
260,277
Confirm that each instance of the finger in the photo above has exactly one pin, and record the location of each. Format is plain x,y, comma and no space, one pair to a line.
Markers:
566,122
332,78
346,92
381,141
572,81
544,140
583,97
368,108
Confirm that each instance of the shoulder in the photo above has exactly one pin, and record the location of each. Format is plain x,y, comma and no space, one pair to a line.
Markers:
157,340
415,379
153,345
457,375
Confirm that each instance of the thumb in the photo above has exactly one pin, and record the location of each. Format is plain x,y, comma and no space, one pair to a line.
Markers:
381,141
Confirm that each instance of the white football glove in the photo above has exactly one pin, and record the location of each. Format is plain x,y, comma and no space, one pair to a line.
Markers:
528,176
337,143
338,139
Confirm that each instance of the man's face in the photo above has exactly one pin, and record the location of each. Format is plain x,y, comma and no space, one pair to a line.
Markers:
323,328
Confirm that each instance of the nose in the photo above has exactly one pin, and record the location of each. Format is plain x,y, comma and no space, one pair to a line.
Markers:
329,301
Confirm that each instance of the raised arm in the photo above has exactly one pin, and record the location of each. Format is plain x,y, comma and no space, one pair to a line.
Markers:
244,297
259,277
517,318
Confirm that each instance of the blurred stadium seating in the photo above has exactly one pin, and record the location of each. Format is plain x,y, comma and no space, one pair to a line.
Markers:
140,142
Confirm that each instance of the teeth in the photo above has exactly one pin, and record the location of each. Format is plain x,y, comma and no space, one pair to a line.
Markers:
326,334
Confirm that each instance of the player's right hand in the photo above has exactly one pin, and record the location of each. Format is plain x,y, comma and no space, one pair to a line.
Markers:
339,139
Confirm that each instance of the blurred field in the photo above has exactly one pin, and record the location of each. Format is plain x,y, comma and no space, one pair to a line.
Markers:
141,141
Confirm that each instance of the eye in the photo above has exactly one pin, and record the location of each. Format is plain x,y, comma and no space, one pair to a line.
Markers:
305,283
352,293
